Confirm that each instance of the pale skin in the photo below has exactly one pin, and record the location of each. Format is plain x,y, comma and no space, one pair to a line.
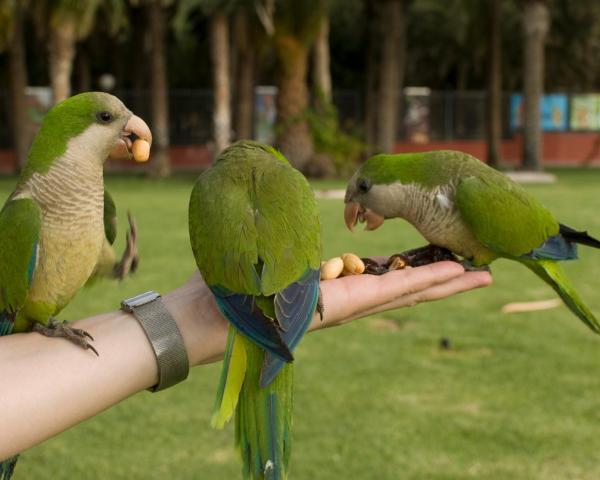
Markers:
84,385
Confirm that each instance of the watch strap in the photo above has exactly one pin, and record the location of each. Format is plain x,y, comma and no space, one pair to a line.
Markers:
164,336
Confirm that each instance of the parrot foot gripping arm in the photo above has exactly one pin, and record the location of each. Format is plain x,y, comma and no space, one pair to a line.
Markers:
415,257
56,328
129,260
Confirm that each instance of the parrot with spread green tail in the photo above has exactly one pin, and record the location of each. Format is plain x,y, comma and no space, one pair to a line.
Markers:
52,226
457,202
255,233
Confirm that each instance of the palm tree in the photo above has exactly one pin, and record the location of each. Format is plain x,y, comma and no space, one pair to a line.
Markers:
536,22
494,85
11,24
246,44
220,55
321,70
296,24
157,18
391,70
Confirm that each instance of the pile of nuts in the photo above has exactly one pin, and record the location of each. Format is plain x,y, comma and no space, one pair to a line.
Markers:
351,264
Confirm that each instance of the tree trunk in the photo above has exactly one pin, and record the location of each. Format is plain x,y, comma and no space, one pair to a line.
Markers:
62,52
18,83
219,45
391,69
161,163
245,78
536,21
84,73
494,86
294,139
370,72
321,69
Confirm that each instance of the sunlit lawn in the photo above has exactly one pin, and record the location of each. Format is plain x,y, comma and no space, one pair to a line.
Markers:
518,396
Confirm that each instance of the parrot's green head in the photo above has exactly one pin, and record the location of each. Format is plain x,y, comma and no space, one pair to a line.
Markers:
380,186
89,127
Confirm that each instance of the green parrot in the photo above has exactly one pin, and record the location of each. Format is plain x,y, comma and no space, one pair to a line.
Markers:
255,234
459,203
52,226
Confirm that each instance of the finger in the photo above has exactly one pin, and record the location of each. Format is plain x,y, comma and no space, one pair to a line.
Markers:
466,282
348,296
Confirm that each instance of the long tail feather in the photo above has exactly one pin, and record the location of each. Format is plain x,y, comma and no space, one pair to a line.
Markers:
264,420
232,378
553,274
7,468
576,236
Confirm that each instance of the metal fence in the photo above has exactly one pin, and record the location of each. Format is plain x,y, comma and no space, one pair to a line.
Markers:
424,115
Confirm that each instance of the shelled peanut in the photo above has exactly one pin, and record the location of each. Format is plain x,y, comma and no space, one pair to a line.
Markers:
140,150
347,264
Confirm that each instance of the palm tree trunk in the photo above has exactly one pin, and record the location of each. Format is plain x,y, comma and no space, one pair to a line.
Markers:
219,46
161,163
18,83
321,62
536,21
370,72
494,86
391,71
294,139
62,52
244,119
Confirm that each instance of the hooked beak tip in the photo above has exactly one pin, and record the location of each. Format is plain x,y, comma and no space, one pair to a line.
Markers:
351,215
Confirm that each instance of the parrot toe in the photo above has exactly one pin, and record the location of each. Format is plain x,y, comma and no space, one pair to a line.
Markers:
59,329
130,260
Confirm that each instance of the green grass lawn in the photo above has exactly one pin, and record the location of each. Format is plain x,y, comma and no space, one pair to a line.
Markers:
518,397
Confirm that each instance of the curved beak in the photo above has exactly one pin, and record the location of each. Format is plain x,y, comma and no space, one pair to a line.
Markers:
355,212
135,127
351,214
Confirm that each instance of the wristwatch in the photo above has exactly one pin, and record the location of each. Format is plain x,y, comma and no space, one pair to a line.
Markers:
164,336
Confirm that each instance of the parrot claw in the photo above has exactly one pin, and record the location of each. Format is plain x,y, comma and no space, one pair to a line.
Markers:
320,305
130,260
56,328
469,267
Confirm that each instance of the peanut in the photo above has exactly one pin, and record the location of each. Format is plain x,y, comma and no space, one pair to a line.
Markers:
331,268
140,150
353,265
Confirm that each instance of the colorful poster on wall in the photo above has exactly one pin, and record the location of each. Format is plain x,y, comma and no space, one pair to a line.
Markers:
585,112
553,111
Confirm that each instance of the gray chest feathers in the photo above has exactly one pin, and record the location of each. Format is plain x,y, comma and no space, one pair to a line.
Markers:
435,215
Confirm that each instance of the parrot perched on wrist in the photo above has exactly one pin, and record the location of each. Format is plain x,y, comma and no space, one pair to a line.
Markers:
255,234
459,203
52,226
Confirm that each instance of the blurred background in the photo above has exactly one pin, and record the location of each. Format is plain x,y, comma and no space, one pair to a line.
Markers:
451,390
328,81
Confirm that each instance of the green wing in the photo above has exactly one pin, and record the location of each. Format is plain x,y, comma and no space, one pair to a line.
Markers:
503,216
20,222
254,240
110,218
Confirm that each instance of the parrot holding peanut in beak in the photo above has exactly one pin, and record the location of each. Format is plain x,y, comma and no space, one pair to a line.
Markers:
458,203
255,233
52,227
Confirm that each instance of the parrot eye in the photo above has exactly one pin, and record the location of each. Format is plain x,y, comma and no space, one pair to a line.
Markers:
364,185
105,117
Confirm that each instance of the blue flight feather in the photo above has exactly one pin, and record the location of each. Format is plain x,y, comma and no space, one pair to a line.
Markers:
554,248
241,311
294,309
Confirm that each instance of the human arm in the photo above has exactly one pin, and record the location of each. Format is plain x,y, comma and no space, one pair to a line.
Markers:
76,385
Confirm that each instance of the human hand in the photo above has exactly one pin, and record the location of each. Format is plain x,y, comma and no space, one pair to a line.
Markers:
356,296
344,299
